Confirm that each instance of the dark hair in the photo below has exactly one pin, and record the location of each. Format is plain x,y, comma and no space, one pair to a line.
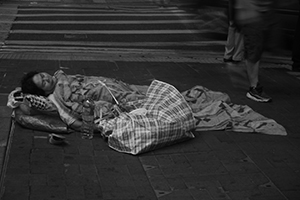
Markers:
29,87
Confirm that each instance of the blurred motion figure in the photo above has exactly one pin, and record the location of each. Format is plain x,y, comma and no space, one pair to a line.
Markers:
252,17
234,48
296,46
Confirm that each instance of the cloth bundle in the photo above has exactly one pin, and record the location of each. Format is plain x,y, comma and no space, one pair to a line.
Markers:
167,119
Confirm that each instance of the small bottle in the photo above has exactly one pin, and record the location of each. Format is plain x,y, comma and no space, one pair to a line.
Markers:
87,128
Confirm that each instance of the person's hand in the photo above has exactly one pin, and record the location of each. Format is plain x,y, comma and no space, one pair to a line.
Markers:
98,129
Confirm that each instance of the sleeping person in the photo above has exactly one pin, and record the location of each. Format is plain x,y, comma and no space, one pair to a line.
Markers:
148,116
68,92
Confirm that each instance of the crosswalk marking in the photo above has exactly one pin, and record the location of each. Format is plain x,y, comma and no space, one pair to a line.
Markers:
39,17
84,45
104,10
187,21
135,30
105,15
115,32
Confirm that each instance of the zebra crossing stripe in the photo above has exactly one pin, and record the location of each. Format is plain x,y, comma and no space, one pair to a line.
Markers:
116,32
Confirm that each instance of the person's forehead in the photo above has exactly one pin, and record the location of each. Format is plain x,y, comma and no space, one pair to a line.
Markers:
37,79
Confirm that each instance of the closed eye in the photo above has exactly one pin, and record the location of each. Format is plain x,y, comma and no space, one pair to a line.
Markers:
44,82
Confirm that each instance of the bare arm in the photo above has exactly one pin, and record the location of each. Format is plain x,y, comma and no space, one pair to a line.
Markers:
78,124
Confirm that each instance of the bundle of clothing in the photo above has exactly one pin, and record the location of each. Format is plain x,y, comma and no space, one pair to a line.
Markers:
148,117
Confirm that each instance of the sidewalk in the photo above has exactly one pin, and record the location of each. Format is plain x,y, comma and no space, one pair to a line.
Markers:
215,165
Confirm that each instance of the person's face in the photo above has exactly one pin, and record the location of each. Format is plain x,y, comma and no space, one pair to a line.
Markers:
45,82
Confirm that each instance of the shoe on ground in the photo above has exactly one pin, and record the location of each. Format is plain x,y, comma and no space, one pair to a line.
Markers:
296,69
296,66
57,139
227,60
257,94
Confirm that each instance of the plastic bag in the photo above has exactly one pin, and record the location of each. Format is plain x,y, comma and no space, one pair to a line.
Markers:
40,122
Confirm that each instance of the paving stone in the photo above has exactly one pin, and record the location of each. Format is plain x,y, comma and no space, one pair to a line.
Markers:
176,183
54,192
176,195
88,170
291,194
160,183
177,169
200,194
240,167
209,167
17,180
284,178
136,169
13,192
199,157
38,179
254,194
75,192
92,191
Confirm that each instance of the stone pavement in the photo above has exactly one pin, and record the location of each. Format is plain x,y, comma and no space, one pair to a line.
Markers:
216,165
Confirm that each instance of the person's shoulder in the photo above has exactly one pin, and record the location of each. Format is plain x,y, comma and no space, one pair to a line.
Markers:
59,72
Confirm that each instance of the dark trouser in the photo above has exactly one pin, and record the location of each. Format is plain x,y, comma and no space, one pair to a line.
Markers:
253,41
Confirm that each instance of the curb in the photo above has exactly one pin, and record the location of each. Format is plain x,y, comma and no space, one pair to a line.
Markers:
6,157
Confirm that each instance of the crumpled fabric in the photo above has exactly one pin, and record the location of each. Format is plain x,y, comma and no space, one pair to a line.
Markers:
214,111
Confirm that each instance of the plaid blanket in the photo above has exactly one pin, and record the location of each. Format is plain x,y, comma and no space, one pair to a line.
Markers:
168,119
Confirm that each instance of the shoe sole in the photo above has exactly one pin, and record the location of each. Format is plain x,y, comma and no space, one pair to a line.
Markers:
256,99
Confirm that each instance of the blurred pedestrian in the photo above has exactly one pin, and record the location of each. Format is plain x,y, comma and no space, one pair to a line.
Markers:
296,46
251,16
234,48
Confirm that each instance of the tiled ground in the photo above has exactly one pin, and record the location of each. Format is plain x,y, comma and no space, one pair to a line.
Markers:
215,165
